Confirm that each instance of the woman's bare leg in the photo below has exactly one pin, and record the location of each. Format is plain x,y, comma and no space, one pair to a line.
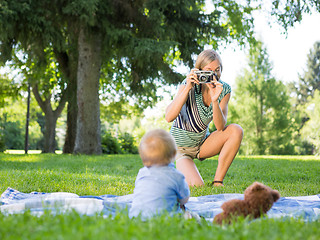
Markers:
190,171
227,143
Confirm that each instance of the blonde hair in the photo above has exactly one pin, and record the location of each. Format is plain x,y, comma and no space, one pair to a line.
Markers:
206,57
157,147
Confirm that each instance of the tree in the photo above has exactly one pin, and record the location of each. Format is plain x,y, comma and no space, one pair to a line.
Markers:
263,107
309,82
311,131
48,87
302,93
143,38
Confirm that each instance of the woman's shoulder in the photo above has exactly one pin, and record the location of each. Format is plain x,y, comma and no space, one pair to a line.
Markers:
226,86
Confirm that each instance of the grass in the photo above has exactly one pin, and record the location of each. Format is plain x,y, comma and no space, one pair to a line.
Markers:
115,174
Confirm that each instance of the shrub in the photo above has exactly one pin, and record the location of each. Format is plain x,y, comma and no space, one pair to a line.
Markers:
127,143
13,135
2,143
110,144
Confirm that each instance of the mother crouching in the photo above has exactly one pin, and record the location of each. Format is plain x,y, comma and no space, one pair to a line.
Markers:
193,108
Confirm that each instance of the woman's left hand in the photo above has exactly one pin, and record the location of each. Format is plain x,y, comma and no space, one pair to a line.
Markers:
215,89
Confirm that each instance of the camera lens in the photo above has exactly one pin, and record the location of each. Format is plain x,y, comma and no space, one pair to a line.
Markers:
203,78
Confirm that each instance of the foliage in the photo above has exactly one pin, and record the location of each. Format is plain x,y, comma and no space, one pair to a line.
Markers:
123,144
262,108
110,144
288,12
127,143
311,131
169,34
12,121
13,135
302,93
7,90
2,142
309,82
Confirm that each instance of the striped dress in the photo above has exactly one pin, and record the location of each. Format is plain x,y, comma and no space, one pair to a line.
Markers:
191,127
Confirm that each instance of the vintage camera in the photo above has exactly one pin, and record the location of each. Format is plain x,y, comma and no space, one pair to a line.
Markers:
206,76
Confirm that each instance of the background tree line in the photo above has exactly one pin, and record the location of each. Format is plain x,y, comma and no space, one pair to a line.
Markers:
93,55
277,118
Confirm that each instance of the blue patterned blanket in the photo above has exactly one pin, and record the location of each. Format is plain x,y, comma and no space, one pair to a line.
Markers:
13,201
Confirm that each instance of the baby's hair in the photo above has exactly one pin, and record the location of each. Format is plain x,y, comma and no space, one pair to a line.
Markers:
206,57
157,147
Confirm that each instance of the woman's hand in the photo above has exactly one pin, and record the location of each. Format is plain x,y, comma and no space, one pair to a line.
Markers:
192,79
174,108
215,89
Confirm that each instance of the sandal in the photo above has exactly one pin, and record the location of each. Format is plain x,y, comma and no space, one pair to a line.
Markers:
212,184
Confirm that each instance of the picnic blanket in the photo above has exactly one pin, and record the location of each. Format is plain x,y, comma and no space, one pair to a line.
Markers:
12,202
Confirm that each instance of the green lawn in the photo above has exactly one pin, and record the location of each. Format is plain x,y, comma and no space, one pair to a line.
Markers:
115,174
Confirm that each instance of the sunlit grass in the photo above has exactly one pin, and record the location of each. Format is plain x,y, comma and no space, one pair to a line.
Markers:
83,175
13,151
115,174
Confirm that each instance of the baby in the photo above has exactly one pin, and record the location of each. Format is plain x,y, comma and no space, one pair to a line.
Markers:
159,187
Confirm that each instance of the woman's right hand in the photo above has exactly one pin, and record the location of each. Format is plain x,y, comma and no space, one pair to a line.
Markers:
192,79
174,108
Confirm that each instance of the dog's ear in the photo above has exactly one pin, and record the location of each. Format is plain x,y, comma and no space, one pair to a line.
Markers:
275,195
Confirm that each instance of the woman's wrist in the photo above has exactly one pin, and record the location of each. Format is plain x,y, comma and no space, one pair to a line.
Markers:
214,101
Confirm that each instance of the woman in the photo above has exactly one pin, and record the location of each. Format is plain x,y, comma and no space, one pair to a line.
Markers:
193,108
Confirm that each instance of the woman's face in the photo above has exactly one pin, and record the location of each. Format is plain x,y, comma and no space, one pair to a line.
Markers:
214,66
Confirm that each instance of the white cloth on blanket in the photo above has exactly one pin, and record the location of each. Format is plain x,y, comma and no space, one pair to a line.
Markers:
12,202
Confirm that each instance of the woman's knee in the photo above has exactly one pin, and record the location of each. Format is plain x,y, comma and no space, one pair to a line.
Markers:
236,130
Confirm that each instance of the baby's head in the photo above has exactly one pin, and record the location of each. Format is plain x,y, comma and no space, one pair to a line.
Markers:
157,147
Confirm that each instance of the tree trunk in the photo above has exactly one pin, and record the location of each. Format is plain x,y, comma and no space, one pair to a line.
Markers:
88,140
51,118
50,133
72,109
68,65
26,141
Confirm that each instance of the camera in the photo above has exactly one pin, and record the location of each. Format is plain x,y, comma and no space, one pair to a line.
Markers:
206,76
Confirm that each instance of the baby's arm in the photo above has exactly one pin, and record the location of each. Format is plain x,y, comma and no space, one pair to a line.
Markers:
183,191
183,201
184,195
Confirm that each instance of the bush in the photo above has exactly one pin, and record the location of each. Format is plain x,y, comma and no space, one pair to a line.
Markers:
110,144
127,143
13,135
2,143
